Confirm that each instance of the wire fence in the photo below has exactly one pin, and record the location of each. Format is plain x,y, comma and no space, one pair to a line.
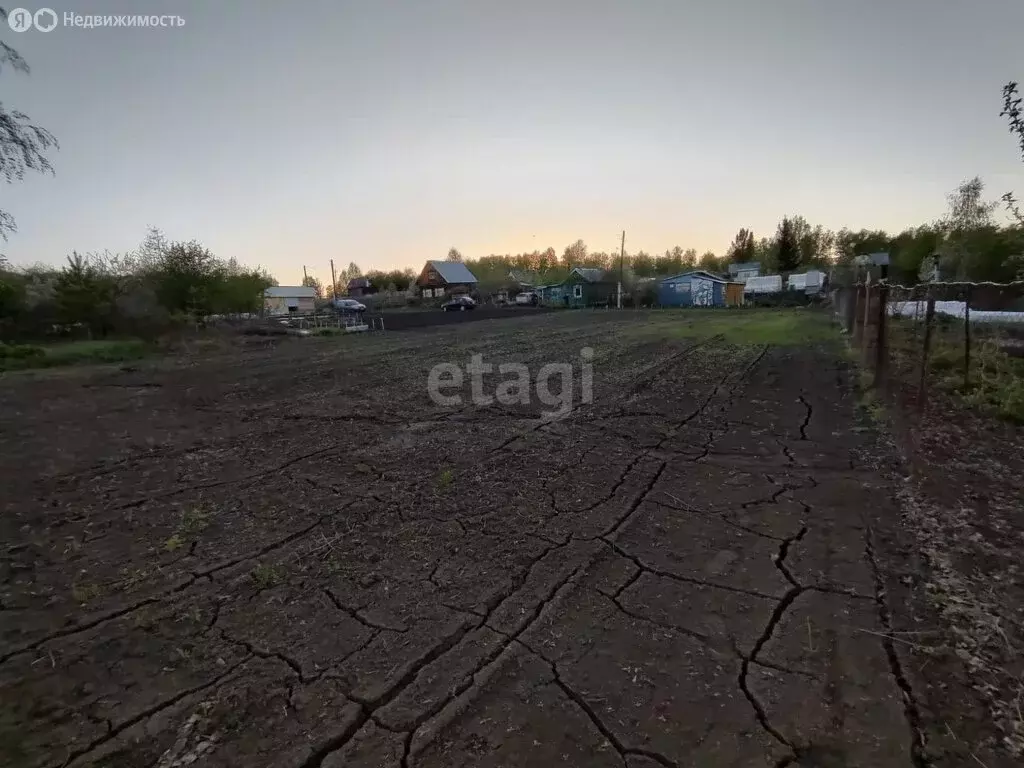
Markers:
963,338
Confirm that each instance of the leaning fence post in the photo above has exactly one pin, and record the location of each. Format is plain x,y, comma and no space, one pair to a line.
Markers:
967,339
865,340
857,329
929,317
880,340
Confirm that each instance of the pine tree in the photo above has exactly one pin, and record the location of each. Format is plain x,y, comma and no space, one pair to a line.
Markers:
787,248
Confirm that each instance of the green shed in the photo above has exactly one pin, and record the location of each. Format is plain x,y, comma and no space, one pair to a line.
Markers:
584,287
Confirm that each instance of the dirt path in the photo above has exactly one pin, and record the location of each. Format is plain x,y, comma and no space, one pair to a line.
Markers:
291,557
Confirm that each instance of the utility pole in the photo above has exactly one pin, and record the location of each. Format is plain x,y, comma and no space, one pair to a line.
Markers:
305,277
622,259
334,282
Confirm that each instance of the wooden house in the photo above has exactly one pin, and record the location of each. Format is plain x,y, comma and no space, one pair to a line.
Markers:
445,278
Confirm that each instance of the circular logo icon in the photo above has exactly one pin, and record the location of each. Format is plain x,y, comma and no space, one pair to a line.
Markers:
45,19
20,20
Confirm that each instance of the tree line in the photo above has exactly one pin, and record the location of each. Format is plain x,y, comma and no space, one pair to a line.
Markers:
381,280
967,243
161,279
145,291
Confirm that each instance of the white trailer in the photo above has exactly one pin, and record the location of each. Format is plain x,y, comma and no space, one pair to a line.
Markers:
763,284
811,281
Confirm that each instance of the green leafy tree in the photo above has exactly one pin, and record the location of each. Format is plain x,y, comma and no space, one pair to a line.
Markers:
671,263
351,272
311,282
238,290
599,260
910,250
84,295
12,296
548,260
401,278
967,231
394,280
575,255
643,264
815,244
23,145
709,262
850,244
185,278
1012,113
765,254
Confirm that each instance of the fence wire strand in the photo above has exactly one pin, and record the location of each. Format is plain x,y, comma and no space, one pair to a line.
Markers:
960,337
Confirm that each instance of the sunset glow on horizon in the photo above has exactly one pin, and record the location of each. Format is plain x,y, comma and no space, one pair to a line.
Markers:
386,133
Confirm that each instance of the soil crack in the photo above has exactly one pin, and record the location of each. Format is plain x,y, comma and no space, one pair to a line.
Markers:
783,605
910,708
595,719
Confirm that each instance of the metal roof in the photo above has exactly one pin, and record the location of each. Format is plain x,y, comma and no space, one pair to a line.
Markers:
453,271
743,266
876,259
523,276
698,273
590,274
290,292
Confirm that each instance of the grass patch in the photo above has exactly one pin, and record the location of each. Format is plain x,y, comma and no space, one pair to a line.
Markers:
995,384
195,520
85,592
18,357
267,575
133,578
779,327
870,403
996,381
445,478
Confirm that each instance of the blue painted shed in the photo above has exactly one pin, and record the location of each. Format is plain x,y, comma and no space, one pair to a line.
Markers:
695,289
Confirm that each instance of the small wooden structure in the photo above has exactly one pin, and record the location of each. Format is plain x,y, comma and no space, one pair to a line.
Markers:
289,300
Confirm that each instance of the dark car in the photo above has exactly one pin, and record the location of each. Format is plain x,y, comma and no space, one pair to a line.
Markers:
459,304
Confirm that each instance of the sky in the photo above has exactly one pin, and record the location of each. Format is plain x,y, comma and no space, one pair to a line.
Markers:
386,132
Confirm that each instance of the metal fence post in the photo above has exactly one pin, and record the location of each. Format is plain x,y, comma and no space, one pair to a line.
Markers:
929,318
881,349
865,341
967,339
857,328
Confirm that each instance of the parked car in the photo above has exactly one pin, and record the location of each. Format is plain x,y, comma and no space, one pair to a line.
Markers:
348,305
459,304
527,298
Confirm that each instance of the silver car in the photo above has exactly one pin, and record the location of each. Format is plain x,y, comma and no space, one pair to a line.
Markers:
348,305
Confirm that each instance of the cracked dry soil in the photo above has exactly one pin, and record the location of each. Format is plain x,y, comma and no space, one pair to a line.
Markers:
289,556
